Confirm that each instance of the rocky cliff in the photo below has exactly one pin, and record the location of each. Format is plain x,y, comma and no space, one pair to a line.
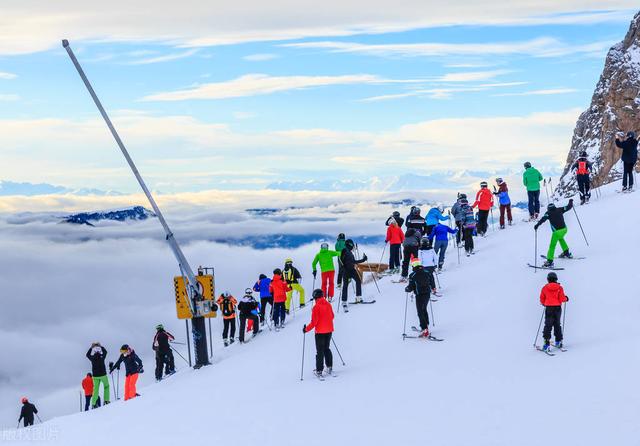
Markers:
615,107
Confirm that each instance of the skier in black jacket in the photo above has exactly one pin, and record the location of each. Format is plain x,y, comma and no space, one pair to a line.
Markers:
27,412
164,354
248,310
349,264
421,283
410,247
583,169
132,366
555,216
416,221
395,216
97,355
629,157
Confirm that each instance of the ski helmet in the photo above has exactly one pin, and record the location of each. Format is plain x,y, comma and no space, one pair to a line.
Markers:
527,165
262,276
24,399
277,271
317,293
159,327
416,210
349,244
415,263
341,236
226,294
248,291
483,184
124,348
552,277
396,214
324,246
583,154
551,206
462,196
425,243
499,180
631,134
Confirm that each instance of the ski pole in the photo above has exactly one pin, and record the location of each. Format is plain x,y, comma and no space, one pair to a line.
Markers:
113,385
183,358
493,223
178,343
404,326
383,250
564,314
304,338
118,385
539,325
546,191
38,416
535,255
336,346
373,274
18,426
578,218
433,318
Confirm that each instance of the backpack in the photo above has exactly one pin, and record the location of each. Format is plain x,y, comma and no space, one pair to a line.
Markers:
582,168
227,307
468,220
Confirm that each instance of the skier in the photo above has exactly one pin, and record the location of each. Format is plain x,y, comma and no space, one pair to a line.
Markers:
410,249
505,202
559,231
416,221
97,355
278,289
551,297
531,179
327,269
629,157
248,307
434,216
27,412
421,284
339,246
87,387
322,321
293,277
484,203
458,215
227,304
164,354
262,286
441,234
583,169
132,367
468,227
395,217
350,272
395,237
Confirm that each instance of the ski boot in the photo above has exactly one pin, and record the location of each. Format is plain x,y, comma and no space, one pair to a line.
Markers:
302,305
345,307
502,226
226,343
548,264
468,253
558,344
510,222
566,255
231,341
624,189
318,374
328,371
358,299
286,312
403,280
424,333
546,346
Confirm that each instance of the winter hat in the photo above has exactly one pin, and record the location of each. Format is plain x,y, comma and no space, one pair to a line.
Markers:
277,271
483,184
552,277
415,210
248,292
262,276
396,214
527,165
89,374
631,134
415,263
410,232
317,293
462,196
226,294
499,180
441,208
425,243
24,400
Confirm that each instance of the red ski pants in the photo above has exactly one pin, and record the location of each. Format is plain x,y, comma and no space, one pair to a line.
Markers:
130,386
327,283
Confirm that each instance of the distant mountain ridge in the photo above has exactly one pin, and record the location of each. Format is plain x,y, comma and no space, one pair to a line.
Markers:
34,189
86,218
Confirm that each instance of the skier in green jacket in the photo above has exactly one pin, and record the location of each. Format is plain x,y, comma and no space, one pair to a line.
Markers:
531,179
339,247
327,269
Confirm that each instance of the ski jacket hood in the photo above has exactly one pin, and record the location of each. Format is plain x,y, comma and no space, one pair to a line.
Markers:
552,295
321,317
531,179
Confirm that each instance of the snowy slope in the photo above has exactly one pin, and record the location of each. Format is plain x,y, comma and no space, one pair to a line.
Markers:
484,385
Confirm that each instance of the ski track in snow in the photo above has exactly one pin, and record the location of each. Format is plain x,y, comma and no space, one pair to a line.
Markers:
484,385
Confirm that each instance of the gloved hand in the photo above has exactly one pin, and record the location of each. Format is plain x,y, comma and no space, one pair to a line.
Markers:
567,298
214,307
535,228
407,289
314,273
571,201
141,370
365,258
304,328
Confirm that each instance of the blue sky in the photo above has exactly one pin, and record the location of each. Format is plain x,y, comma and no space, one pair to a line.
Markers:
355,97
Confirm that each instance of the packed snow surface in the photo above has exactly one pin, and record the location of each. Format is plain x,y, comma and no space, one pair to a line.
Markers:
484,385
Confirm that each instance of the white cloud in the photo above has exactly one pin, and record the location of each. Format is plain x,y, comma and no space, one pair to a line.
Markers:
7,76
164,58
542,92
32,25
261,84
470,76
260,57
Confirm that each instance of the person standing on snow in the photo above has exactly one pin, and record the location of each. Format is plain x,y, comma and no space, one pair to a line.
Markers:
293,277
504,200
410,249
421,284
227,304
27,412
132,366
278,289
555,215
441,233
262,286
327,269
395,237
322,321
434,216
87,387
339,246
629,157
350,272
416,221
458,215
97,355
531,179
468,226
248,307
395,217
164,354
552,297
583,168
484,203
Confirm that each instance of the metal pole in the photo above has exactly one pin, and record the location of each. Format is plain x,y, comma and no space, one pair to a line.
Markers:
180,356
210,339
186,324
304,338
564,314
118,386
578,218
336,346
404,325
493,223
383,250
546,191
433,318
535,252
81,405
539,325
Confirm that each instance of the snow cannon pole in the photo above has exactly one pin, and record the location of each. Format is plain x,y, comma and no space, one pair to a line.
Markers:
304,338
198,325
336,347
404,325
539,325
578,218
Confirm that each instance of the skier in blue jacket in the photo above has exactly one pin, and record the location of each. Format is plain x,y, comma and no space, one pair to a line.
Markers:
434,216
262,285
505,202
441,233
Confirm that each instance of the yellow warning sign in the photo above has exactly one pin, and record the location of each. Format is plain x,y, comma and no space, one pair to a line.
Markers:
205,283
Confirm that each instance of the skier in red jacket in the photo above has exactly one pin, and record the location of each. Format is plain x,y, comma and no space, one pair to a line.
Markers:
552,297
395,237
322,321
484,203
278,289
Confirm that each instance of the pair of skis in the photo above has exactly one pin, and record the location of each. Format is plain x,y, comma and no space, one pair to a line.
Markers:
554,268
427,338
550,352
323,377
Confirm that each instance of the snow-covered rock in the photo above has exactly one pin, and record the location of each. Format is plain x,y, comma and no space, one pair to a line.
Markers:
615,107
88,218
